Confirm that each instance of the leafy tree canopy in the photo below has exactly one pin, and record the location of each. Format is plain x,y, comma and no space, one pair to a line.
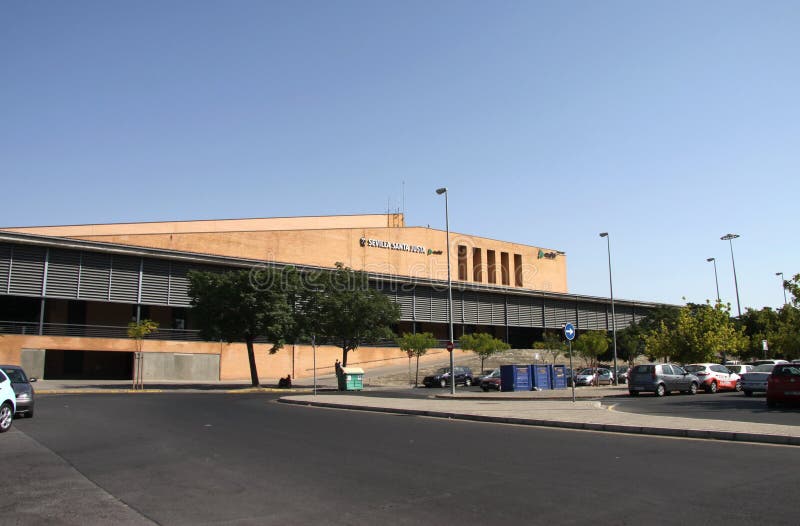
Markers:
350,313
483,344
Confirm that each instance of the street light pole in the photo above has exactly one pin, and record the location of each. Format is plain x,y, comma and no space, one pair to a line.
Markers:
716,279
613,314
783,286
729,238
441,191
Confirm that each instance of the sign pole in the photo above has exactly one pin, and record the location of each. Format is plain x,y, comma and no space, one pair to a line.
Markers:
569,334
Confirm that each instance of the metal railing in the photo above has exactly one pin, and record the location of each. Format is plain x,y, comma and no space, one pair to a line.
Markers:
92,331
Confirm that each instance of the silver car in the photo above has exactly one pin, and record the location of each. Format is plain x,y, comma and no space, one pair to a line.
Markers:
755,381
661,379
22,389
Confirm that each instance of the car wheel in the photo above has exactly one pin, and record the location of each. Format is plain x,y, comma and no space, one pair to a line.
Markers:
661,390
467,381
6,417
633,393
693,389
712,388
748,393
738,386
771,403
29,414
485,389
443,382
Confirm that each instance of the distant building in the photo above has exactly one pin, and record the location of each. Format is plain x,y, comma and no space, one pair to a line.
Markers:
67,293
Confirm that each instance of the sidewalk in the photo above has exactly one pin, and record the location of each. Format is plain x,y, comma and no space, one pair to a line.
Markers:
582,414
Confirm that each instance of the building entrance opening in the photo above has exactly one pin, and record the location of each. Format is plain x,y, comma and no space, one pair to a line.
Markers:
88,365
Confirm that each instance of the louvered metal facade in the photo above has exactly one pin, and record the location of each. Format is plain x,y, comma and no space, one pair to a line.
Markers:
113,274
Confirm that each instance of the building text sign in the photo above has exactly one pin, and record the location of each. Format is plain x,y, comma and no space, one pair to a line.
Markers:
392,245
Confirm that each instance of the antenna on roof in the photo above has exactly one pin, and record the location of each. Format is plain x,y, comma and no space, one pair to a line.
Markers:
404,198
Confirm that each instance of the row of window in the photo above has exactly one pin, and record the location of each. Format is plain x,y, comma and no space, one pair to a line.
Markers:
491,268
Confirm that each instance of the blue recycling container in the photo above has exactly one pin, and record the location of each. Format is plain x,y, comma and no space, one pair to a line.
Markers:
515,377
540,376
559,376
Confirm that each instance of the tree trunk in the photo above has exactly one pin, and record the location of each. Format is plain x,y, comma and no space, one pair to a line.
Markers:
416,379
251,356
344,356
481,371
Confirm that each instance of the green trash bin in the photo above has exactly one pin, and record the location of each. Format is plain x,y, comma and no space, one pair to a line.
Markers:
351,379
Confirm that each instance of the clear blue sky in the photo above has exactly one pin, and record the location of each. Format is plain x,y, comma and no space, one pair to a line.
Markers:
667,124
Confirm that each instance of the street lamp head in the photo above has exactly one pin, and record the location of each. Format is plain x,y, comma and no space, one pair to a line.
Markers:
728,237
440,191
710,259
603,234
779,274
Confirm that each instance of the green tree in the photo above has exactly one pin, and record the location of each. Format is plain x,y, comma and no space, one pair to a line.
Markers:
240,306
759,325
551,344
701,334
483,344
138,330
590,345
793,287
350,313
416,345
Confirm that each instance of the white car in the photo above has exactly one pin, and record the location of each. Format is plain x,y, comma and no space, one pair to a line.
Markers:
740,369
714,377
755,381
8,403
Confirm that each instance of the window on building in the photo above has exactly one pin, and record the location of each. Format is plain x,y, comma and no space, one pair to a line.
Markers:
504,268
518,270
477,265
491,266
462,262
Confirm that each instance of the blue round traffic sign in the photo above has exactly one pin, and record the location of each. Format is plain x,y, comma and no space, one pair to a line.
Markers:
569,331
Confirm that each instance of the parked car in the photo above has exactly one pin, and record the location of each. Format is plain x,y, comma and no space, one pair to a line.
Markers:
715,377
783,384
740,369
770,361
755,380
8,403
463,375
491,381
622,374
22,389
590,376
661,379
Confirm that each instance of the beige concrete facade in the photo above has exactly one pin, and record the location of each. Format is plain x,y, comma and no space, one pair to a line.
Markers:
297,360
379,243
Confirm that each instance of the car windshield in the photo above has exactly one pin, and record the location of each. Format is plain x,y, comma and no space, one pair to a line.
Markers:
694,368
495,374
16,376
443,370
788,370
585,371
734,368
763,368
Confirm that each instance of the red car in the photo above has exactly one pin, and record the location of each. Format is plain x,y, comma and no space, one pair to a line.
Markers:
783,385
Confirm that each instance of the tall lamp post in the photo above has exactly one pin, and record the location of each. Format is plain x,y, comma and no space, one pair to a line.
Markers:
716,279
783,286
613,314
441,191
729,238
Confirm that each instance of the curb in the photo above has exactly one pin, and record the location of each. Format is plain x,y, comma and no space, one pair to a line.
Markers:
730,436
249,390
529,398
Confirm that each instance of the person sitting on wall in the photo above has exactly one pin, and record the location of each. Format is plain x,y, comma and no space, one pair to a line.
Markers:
285,382
338,367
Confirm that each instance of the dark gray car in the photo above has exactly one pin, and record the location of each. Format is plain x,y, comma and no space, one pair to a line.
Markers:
661,379
22,389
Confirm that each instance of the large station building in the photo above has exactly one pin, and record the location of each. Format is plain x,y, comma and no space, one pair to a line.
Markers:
67,293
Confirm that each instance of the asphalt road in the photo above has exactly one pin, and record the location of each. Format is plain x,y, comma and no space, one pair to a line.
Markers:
720,406
244,459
